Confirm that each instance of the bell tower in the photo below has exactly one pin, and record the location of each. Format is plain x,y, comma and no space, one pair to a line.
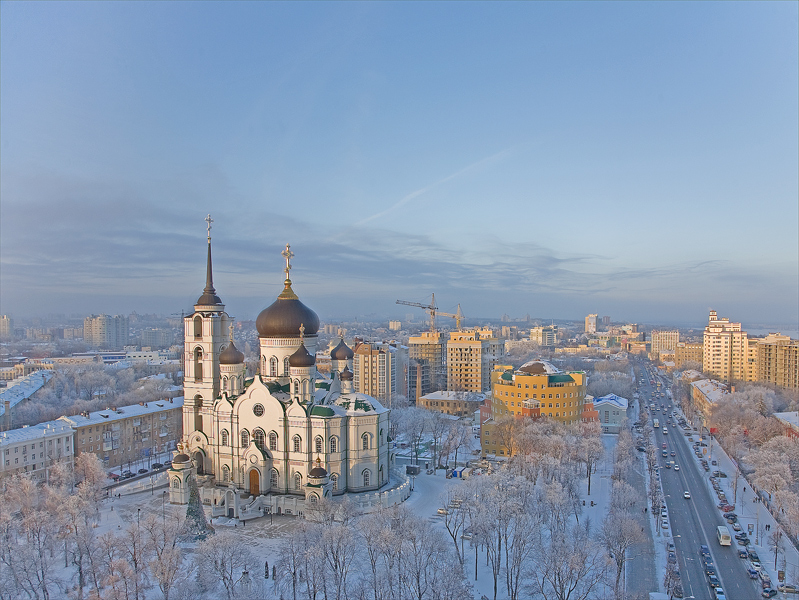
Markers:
204,337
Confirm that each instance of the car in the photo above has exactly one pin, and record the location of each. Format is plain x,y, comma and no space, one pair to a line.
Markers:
706,468
113,476
157,465
752,573
663,513
142,471
710,573
672,558
728,508
670,547
744,542
664,524
768,593
640,449
665,454
737,527
714,463
673,453
721,505
719,593
686,494
443,511
788,588
704,550
676,467
742,554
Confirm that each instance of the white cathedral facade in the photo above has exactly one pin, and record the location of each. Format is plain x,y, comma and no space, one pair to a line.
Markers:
284,437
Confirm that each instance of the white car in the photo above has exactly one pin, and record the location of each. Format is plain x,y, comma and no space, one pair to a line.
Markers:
686,495
664,524
676,467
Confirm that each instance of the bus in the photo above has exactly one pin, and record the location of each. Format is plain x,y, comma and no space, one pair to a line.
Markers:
723,534
655,423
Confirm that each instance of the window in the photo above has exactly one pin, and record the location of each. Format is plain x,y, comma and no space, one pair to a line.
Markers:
224,441
225,473
334,481
286,369
297,443
318,443
334,444
259,438
245,439
258,410
272,441
273,478
273,367
297,481
367,476
365,441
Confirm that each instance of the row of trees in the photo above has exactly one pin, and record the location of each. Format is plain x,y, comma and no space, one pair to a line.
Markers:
79,388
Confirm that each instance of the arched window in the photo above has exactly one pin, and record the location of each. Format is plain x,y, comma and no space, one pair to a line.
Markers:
334,481
225,473
334,444
365,441
273,479
224,441
273,366
198,364
318,443
198,327
272,441
176,483
313,498
367,477
286,368
245,439
297,443
296,386
381,475
259,438
297,481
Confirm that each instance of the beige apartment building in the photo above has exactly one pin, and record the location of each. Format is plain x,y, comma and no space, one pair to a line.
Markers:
544,336
663,341
778,361
686,352
590,324
471,357
426,369
35,450
128,433
458,404
725,349
106,332
379,370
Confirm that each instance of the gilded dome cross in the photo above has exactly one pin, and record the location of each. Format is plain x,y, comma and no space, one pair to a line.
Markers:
288,255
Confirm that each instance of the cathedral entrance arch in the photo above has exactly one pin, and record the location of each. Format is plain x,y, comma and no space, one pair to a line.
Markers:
229,500
255,482
198,460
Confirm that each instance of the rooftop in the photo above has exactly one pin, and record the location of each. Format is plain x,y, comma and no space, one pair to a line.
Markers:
123,412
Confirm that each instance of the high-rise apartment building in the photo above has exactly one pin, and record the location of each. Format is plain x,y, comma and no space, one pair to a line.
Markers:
725,350
590,324
379,370
471,357
157,338
426,369
778,361
544,336
664,340
106,332
6,327
395,325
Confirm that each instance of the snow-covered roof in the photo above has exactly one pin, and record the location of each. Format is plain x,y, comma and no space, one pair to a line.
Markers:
452,395
789,418
548,367
710,389
123,412
34,432
613,400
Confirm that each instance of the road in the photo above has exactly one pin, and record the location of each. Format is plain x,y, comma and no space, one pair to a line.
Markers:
693,522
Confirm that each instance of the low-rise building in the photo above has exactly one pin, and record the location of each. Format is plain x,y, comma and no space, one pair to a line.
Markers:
34,450
612,410
460,404
706,393
122,435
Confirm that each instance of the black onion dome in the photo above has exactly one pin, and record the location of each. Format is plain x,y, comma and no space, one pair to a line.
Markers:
342,352
231,355
181,458
302,358
318,472
346,374
285,316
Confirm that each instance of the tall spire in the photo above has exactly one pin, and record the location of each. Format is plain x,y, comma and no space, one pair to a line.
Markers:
209,296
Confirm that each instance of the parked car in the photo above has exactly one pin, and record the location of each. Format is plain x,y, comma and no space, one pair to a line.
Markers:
113,476
742,553
737,527
753,556
788,588
768,593
664,524
752,573
142,471
157,465
687,495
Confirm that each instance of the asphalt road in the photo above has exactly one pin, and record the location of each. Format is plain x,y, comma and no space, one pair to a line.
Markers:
693,522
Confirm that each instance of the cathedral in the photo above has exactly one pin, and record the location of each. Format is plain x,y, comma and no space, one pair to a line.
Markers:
285,437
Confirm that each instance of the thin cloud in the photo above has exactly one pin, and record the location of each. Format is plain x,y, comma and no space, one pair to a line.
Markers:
424,190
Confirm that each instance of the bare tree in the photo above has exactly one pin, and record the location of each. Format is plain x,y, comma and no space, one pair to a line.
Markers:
619,533
589,448
223,557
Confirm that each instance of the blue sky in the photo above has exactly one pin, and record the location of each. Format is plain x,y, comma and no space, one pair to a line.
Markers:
632,159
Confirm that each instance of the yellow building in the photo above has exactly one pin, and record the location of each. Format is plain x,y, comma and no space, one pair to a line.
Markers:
664,341
536,389
471,356
459,404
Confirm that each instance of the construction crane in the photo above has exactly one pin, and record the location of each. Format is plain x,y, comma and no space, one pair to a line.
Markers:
432,309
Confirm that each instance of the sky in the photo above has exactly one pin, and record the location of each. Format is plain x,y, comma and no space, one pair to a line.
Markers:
637,160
